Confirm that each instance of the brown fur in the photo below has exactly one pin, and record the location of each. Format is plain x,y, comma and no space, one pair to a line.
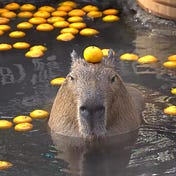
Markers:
93,83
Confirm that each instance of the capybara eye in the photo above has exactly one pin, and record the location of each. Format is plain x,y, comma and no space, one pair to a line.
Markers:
113,79
71,77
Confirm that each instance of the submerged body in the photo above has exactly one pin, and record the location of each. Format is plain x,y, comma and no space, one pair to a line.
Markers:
94,102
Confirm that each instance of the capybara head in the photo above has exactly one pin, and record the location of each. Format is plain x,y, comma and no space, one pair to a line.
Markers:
93,102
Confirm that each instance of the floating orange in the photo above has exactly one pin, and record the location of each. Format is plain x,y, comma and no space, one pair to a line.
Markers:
61,24
27,7
8,14
22,127
78,25
45,27
24,25
5,27
88,32
148,59
25,14
65,37
5,47
38,47
39,114
37,20
17,34
57,81
76,12
47,8
5,124
55,19
42,14
34,53
65,8
3,10
21,45
172,58
60,13
75,19
106,52
110,12
69,30
89,8
94,14
129,57
5,165
4,20
173,91
22,119
170,110
68,3
1,32
170,64
110,18
12,6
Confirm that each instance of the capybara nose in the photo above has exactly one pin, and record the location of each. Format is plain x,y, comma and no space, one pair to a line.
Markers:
96,111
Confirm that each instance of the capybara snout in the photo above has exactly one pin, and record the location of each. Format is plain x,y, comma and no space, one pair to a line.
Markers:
90,112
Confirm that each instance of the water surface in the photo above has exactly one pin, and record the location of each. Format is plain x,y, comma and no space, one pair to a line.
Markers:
24,86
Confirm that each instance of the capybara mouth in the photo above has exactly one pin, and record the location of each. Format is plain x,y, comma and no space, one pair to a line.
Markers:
93,134
92,137
92,130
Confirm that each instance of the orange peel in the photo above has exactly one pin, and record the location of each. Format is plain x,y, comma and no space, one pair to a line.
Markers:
65,37
39,114
5,165
88,32
22,127
57,81
129,57
22,119
93,54
171,110
17,34
5,124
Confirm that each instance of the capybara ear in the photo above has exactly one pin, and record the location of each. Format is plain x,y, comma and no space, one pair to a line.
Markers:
74,55
111,60
110,54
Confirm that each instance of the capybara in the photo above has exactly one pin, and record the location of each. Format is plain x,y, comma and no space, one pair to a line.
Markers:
93,102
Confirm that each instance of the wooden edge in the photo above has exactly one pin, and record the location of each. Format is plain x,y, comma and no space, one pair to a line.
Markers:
167,3
160,10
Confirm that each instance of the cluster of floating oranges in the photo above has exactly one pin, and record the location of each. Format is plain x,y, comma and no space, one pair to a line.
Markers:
66,17
149,59
22,122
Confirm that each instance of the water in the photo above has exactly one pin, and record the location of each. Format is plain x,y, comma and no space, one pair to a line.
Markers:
24,86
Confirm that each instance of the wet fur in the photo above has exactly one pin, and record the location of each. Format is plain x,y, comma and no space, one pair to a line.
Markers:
123,107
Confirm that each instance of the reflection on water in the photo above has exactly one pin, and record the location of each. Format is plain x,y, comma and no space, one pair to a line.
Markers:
17,85
106,157
154,151
24,86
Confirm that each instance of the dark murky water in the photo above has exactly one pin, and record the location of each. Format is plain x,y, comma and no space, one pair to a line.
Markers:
24,86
